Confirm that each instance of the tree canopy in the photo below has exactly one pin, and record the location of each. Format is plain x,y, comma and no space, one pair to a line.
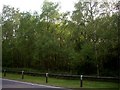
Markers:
85,41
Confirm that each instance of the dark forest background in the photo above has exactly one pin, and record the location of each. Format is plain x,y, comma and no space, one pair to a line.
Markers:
85,40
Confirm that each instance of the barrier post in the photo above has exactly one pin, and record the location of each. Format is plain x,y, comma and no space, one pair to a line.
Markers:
81,80
46,77
22,74
4,73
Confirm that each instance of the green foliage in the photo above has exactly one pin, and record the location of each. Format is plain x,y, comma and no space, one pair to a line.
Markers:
85,43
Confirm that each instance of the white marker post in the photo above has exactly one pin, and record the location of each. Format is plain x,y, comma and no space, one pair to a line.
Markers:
46,77
22,74
4,72
81,80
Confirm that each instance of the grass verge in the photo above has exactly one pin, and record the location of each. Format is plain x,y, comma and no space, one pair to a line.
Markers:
62,82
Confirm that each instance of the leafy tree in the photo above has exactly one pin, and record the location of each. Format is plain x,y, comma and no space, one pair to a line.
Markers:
85,41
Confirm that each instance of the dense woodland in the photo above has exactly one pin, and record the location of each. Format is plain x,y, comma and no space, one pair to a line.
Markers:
84,41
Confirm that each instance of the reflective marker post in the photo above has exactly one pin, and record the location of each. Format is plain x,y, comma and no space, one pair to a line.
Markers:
4,73
46,77
81,81
22,74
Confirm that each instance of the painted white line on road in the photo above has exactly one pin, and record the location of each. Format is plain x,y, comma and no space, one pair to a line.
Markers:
31,83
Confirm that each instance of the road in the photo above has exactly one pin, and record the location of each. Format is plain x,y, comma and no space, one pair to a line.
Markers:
16,85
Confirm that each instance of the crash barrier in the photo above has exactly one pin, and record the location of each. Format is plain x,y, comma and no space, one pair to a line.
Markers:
63,76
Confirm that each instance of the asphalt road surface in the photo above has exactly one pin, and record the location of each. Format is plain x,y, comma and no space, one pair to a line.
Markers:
18,85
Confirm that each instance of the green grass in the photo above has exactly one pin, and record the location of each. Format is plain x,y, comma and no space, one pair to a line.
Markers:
0,74
62,82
